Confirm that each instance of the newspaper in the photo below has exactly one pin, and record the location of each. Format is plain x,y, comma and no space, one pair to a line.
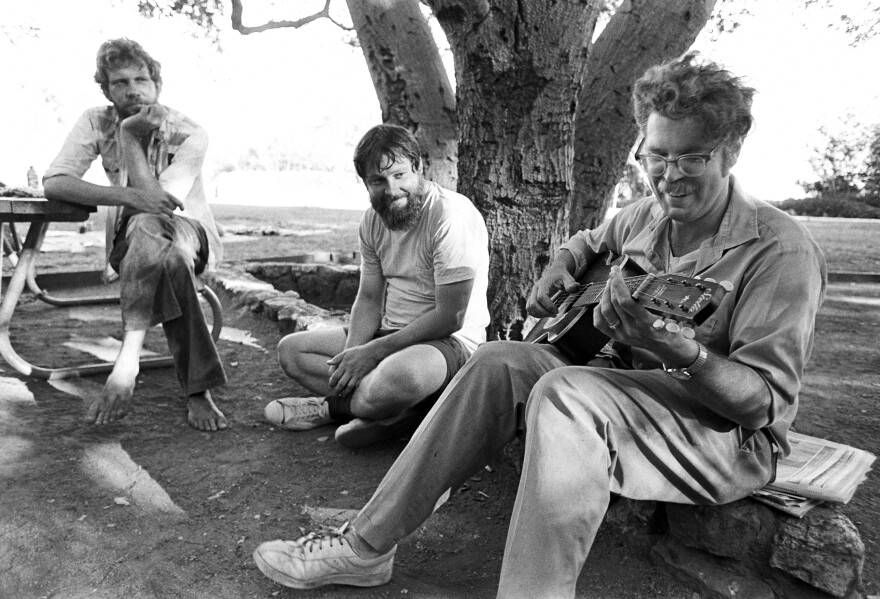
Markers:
793,505
816,470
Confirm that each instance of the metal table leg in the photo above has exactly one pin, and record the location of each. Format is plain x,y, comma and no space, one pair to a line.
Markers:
23,274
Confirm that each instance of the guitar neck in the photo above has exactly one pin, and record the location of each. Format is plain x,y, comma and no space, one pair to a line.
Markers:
589,293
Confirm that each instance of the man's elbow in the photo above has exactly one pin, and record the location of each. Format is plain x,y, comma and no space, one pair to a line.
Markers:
52,188
754,422
759,414
454,319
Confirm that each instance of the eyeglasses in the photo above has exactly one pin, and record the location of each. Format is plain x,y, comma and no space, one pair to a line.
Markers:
690,165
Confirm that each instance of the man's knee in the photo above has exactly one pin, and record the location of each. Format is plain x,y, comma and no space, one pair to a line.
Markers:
497,354
289,349
146,225
386,391
568,391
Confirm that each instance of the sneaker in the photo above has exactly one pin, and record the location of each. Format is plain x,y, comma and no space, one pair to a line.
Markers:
298,413
361,432
321,558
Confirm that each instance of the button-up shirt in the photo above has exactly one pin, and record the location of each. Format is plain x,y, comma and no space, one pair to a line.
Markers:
176,153
778,274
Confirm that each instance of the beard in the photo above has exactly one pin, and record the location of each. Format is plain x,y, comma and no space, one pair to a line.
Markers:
400,219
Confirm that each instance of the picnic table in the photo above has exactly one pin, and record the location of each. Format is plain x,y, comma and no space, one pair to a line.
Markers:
26,206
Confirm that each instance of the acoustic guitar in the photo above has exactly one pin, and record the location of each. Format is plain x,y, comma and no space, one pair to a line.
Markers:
680,299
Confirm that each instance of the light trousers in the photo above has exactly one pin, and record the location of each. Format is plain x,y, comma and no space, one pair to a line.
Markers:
590,431
158,262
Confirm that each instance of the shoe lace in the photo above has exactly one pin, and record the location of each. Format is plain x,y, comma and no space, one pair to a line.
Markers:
306,410
315,540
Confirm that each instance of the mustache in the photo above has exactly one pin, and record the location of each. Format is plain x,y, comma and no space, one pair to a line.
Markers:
675,188
401,219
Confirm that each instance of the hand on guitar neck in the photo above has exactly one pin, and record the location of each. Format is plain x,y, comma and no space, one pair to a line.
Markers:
616,299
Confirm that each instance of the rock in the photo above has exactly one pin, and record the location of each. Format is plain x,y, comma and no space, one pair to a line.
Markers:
823,549
327,285
737,530
707,574
817,557
631,517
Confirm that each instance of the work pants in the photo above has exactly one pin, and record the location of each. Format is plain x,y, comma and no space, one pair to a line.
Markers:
590,431
158,260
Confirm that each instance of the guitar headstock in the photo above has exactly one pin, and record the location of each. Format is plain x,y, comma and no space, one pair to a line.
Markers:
682,299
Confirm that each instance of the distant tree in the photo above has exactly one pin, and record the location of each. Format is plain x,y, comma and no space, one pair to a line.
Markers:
839,159
872,165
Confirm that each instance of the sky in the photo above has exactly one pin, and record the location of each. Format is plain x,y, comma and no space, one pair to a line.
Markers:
310,93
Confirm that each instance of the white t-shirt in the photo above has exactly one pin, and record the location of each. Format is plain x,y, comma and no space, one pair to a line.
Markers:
448,244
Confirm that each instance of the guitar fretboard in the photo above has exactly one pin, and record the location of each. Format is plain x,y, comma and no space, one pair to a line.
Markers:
591,292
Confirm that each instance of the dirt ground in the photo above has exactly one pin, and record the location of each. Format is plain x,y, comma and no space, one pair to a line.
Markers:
150,508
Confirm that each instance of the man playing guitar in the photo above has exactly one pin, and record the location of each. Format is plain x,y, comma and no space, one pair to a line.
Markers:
656,414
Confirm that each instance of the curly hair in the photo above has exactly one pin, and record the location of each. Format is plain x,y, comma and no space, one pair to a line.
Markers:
386,141
691,87
122,52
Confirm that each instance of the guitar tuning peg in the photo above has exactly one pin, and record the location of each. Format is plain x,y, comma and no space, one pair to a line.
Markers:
658,324
709,280
687,333
727,286
673,327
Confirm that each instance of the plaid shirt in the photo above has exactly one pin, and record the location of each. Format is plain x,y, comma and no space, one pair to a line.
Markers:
176,153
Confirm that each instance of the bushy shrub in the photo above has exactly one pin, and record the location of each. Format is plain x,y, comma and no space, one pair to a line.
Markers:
842,205
871,200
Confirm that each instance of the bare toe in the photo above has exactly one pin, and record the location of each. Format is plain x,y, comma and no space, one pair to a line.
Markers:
203,414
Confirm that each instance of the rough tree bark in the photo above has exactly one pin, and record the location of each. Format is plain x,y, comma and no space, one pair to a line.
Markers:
410,80
640,34
519,68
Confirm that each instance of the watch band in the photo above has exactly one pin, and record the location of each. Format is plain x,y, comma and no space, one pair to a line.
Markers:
687,372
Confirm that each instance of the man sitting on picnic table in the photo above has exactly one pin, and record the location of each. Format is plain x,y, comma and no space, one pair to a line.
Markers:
657,416
162,233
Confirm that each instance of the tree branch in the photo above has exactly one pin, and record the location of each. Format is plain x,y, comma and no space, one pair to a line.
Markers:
238,11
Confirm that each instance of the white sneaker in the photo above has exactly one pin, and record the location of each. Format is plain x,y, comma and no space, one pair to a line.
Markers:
298,413
321,558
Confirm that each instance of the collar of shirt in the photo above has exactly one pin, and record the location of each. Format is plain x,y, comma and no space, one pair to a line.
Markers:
739,225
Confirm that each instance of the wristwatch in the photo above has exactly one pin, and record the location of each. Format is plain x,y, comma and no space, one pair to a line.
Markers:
685,374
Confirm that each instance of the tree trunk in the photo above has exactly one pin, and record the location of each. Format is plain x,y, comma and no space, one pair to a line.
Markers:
640,34
519,67
412,85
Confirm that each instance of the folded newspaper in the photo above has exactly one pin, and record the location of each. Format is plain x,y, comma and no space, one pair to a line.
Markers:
816,470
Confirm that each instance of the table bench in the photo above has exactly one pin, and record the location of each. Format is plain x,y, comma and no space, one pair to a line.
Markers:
40,213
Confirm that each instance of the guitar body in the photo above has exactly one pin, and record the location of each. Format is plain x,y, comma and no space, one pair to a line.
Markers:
572,330
683,299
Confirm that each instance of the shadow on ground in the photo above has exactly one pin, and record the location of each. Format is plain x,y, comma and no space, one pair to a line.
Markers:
150,508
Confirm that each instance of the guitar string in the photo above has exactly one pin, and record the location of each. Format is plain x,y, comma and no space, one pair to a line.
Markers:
632,284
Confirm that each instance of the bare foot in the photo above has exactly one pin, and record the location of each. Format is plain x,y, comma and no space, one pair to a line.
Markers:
203,414
112,404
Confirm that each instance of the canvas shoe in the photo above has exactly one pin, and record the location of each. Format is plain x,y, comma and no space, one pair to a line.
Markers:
298,413
321,558
362,432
